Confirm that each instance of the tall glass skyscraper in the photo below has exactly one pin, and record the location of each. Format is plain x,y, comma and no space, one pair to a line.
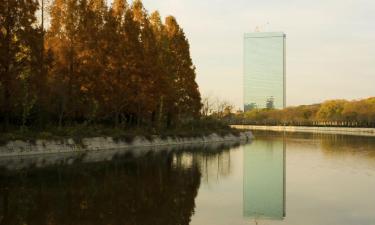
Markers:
264,70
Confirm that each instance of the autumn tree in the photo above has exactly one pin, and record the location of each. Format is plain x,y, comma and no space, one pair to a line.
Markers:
331,110
18,40
163,80
94,64
329,113
186,100
114,89
62,40
360,112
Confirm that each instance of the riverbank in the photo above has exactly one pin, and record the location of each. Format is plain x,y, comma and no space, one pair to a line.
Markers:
81,155
77,132
42,146
323,130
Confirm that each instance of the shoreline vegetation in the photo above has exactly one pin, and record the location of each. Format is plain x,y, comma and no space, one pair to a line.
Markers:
118,71
199,128
355,131
96,70
332,113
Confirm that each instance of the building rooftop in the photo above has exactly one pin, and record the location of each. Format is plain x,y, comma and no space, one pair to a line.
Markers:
264,34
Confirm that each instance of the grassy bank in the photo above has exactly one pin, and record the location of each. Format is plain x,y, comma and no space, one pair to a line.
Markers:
77,132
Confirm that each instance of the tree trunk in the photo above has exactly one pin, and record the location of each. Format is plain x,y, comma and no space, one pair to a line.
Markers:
161,112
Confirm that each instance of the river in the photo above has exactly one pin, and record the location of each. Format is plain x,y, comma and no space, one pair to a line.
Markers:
278,178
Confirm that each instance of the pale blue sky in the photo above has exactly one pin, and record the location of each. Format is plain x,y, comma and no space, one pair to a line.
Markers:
330,44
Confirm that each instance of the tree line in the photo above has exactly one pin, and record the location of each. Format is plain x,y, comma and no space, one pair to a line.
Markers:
357,113
94,63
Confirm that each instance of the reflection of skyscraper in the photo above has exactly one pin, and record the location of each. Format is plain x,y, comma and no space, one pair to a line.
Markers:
264,70
264,180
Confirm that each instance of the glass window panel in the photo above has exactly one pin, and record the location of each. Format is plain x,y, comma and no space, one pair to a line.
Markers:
264,70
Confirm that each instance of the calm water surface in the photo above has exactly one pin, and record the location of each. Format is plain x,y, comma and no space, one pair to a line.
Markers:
298,179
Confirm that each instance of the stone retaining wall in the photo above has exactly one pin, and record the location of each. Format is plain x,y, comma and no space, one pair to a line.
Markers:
17,155
19,148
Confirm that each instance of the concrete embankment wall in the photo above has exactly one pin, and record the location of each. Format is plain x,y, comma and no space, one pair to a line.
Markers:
17,155
322,130
20,148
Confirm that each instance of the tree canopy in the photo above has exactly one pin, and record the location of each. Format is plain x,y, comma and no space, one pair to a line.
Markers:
95,63
329,113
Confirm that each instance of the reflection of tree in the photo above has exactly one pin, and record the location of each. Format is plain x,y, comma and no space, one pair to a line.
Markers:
156,188
212,164
332,144
329,143
148,190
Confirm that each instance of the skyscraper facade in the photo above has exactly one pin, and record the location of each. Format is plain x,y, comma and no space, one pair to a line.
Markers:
264,70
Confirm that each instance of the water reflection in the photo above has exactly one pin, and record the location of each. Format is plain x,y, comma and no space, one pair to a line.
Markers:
154,188
212,165
338,144
264,180
330,181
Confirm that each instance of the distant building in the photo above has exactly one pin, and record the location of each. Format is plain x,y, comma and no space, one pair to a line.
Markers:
264,70
239,112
